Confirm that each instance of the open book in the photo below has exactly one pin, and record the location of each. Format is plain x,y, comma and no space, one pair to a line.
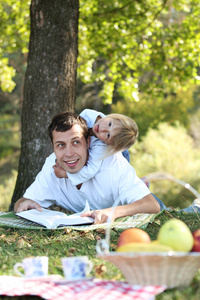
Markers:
52,219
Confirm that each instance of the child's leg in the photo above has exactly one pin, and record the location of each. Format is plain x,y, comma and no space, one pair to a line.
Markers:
162,205
126,154
194,208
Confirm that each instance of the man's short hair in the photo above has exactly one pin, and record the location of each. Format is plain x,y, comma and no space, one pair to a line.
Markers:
65,121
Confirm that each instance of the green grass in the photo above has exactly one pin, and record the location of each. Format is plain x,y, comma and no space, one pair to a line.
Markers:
15,244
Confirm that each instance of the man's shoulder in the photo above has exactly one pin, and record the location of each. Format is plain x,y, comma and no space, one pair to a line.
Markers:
49,162
51,159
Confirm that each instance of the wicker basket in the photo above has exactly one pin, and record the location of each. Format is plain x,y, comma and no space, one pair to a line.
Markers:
172,269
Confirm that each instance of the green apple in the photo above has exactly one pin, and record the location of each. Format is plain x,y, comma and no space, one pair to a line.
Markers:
176,234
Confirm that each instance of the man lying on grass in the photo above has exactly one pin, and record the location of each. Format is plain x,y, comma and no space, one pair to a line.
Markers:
116,178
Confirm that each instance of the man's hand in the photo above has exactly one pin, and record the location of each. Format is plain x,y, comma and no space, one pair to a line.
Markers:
59,171
147,204
25,204
99,216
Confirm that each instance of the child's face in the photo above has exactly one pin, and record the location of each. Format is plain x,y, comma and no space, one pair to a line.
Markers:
105,128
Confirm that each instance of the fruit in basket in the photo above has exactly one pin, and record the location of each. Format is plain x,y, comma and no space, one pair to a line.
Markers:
133,235
144,247
176,234
196,237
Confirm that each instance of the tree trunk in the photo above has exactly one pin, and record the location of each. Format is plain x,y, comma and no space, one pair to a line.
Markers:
50,82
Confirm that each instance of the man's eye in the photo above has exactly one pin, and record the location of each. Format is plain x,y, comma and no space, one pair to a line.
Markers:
60,145
76,142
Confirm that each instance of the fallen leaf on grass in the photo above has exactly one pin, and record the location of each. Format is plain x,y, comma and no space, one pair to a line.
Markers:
83,233
118,277
91,236
72,250
99,270
27,239
168,213
113,246
8,239
57,241
157,222
67,230
22,243
101,230
90,247
98,237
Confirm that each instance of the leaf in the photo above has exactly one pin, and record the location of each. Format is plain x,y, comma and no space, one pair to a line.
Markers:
101,230
100,270
83,233
98,237
22,243
8,239
67,230
113,246
72,250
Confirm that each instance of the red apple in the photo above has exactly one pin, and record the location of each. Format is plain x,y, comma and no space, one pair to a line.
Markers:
133,235
196,245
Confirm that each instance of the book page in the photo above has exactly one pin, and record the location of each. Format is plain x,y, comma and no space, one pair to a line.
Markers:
52,219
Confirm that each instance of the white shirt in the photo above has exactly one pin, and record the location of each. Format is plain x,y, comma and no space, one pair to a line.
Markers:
90,116
97,151
115,178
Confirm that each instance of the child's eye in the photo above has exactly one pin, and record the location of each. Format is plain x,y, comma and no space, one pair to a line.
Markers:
110,123
108,135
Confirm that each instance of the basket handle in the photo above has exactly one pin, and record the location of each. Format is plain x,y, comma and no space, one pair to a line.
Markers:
102,246
166,176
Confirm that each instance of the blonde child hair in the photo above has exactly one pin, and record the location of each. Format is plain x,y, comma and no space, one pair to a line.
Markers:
125,136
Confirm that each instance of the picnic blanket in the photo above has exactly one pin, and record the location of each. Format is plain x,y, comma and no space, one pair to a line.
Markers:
9,219
81,290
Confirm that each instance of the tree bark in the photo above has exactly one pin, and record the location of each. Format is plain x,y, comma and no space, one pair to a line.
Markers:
50,82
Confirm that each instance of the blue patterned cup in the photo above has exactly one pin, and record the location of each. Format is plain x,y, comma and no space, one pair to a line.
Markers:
76,267
33,267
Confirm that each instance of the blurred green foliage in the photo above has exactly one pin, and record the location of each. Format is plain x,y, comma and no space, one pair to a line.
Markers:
131,46
148,112
6,190
141,57
169,149
9,134
14,36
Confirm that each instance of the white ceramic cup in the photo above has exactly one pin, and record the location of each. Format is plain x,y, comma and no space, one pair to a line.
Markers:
33,267
76,267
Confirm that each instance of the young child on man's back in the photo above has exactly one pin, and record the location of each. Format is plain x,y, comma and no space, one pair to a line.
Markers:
114,133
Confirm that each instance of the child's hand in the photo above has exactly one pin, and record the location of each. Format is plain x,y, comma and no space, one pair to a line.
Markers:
59,171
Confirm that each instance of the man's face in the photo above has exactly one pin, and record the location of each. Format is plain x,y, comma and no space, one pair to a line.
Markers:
71,149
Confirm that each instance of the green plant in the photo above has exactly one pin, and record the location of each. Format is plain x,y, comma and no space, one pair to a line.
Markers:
16,244
168,149
9,134
170,109
6,190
